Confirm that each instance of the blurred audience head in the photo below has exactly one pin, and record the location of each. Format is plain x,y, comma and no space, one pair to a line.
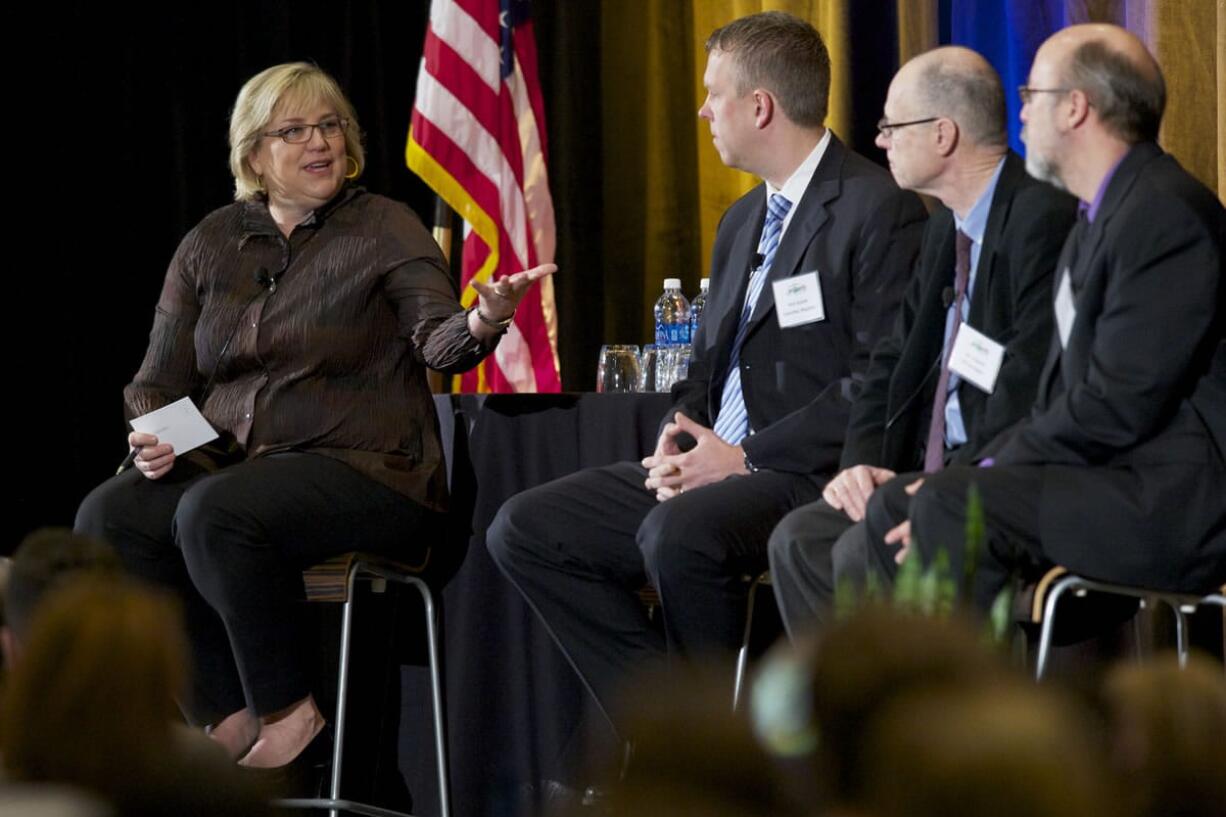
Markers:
44,561
814,702
91,705
92,697
1007,749
693,757
1168,736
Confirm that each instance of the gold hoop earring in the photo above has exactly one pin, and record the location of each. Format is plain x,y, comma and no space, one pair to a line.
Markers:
352,174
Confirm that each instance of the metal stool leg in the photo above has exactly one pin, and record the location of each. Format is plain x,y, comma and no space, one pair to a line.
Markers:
342,690
334,803
1049,623
436,695
742,656
1137,639
1180,604
1181,635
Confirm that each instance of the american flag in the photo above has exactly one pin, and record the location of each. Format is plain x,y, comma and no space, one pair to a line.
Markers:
477,137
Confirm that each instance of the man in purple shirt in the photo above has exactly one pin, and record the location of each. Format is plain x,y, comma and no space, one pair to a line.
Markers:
1117,473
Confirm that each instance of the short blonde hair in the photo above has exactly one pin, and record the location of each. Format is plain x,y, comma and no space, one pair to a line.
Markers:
298,84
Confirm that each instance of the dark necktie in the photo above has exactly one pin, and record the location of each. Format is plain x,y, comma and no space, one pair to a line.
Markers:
1072,248
934,454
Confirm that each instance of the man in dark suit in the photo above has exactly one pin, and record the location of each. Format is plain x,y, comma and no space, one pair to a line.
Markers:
808,269
944,133
1118,473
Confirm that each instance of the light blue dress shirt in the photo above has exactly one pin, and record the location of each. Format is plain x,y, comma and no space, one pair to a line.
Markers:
974,225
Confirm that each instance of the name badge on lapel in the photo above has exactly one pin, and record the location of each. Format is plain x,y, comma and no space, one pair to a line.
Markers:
1066,308
976,358
798,300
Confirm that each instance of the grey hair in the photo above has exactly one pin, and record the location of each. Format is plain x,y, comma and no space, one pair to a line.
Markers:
1129,97
971,95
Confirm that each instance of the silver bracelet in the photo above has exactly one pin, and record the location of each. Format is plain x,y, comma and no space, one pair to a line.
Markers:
501,325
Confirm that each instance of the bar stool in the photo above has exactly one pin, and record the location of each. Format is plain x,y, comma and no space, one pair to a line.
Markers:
335,581
651,600
1045,596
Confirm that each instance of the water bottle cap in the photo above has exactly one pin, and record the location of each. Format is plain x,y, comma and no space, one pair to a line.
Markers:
704,284
672,283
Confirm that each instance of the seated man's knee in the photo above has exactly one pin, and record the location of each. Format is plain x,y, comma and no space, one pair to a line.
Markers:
887,507
675,541
514,529
788,540
933,508
849,557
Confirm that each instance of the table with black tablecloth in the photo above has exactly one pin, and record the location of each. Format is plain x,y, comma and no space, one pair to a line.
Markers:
517,714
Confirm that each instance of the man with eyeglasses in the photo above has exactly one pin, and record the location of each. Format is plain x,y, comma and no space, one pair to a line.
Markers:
1118,472
963,361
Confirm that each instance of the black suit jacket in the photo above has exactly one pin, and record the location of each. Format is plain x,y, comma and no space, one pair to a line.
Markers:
1011,303
1131,415
861,234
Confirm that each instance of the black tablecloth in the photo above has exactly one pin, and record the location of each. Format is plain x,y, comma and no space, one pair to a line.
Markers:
516,712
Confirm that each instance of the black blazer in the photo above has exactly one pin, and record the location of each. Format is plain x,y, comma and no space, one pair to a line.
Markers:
861,234
1131,416
1011,303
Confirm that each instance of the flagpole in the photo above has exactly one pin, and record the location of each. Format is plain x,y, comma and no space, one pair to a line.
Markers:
444,218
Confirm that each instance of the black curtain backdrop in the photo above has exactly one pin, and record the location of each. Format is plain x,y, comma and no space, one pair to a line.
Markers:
122,119
120,145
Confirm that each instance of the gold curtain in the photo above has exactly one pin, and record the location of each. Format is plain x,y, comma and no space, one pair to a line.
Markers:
918,28
1220,100
1188,39
650,140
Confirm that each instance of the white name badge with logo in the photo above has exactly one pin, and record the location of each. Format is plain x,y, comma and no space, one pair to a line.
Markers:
798,300
1066,308
976,358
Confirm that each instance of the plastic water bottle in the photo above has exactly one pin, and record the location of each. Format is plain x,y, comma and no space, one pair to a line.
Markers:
672,313
697,306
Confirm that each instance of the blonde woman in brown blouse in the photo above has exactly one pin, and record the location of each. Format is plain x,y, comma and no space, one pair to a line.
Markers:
301,320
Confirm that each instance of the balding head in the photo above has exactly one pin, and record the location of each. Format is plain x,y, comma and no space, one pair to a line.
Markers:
1115,71
960,84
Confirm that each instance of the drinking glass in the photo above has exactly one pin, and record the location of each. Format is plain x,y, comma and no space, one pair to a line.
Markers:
618,369
647,367
672,364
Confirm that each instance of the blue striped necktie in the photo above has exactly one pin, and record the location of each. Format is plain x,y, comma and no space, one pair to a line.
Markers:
732,422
